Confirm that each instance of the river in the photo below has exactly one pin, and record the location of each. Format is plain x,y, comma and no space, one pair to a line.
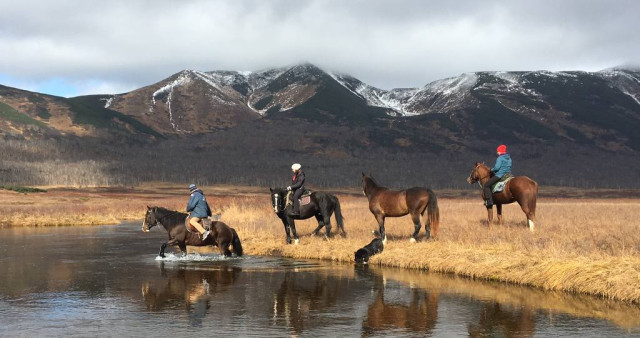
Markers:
107,281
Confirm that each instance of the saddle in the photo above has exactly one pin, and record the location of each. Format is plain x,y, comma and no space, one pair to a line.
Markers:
499,186
304,199
205,222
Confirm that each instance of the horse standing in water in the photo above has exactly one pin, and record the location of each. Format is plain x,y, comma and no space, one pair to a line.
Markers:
389,203
321,206
174,222
519,189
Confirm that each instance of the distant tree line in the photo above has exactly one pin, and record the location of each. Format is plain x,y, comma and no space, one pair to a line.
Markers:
96,162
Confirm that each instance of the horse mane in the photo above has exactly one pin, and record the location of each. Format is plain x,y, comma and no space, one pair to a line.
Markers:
164,211
373,181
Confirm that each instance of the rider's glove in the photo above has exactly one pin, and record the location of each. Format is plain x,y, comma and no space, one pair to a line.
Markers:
289,188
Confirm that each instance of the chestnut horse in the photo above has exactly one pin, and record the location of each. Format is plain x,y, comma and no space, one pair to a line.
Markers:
389,203
519,189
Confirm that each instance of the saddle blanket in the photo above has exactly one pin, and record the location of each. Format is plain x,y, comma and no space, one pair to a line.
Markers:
498,187
304,199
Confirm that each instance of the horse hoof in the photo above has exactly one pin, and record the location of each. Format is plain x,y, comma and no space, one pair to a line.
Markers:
532,226
412,240
297,241
288,240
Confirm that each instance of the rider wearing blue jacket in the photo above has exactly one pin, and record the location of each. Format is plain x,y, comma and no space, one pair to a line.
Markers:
501,168
198,208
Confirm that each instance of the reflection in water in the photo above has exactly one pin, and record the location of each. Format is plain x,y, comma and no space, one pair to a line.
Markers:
297,297
80,281
419,315
195,288
496,321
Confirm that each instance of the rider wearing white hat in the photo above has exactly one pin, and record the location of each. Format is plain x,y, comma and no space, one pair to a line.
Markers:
297,186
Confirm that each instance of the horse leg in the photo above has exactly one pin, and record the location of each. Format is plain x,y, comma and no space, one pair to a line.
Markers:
286,229
532,211
524,205
164,246
415,217
183,248
320,224
292,225
489,216
383,235
224,248
327,223
499,213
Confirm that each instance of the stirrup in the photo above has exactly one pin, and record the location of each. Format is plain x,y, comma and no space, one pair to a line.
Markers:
205,235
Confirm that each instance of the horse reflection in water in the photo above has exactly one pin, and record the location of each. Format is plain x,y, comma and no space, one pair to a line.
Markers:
299,296
496,321
420,315
196,288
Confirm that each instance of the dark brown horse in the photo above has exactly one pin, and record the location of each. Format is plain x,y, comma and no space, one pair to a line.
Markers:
389,203
519,189
173,221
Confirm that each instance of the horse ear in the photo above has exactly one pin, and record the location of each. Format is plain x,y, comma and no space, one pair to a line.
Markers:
148,207
363,175
477,164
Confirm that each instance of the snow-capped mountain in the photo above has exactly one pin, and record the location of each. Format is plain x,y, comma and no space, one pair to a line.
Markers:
602,108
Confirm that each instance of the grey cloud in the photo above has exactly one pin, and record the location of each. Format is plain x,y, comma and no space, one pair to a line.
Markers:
386,43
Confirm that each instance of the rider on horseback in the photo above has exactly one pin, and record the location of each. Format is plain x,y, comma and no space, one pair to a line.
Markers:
501,168
198,209
297,186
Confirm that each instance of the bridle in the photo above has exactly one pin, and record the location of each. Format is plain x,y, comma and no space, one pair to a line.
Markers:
478,179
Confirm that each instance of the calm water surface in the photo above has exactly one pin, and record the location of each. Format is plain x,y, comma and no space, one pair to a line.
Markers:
107,281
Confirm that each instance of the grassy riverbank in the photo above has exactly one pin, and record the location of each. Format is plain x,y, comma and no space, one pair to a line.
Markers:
581,245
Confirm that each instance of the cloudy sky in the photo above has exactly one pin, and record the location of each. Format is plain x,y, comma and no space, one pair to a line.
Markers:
79,47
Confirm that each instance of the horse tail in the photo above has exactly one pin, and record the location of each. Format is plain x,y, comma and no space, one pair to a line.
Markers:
235,242
338,211
433,212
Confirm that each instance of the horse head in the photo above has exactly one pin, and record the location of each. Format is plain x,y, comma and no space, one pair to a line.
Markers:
150,219
278,196
478,172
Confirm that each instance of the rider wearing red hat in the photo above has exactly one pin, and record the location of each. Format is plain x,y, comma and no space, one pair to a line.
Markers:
501,168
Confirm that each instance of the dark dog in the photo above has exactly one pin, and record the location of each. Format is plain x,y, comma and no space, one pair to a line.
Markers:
375,247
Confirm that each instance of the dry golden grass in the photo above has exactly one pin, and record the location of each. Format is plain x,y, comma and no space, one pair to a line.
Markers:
584,246
580,245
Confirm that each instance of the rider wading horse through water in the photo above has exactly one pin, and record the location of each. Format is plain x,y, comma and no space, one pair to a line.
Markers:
389,203
519,189
321,205
221,235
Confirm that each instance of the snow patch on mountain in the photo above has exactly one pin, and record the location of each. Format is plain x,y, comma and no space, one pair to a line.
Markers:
182,79
107,101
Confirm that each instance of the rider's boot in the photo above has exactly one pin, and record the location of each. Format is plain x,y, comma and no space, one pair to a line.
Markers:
205,234
488,203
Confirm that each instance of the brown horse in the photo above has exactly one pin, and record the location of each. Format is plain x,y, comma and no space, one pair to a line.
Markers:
520,189
221,234
389,203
